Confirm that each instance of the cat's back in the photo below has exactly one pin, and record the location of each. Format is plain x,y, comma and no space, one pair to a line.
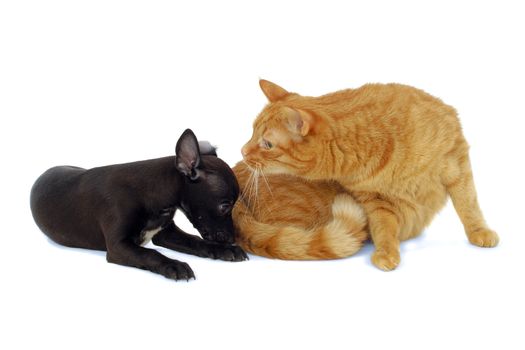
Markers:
408,115
385,97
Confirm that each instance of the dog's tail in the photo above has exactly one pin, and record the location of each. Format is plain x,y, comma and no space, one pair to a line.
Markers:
341,237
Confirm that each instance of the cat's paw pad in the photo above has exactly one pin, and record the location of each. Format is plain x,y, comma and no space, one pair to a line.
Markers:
384,260
484,237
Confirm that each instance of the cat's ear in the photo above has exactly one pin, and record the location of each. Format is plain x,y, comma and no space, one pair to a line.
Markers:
298,122
273,92
187,155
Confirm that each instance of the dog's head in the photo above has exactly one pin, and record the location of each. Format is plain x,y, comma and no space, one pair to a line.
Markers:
209,191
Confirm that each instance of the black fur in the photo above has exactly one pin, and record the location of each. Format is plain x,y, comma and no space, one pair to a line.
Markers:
110,208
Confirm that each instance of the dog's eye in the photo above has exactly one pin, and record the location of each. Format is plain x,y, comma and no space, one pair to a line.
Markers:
266,144
225,208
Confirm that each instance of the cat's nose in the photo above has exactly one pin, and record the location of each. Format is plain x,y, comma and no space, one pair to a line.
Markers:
245,150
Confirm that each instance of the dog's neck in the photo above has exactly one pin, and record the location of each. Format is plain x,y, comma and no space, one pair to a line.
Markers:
159,183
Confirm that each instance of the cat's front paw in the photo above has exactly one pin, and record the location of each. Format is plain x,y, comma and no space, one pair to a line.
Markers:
226,253
384,260
483,237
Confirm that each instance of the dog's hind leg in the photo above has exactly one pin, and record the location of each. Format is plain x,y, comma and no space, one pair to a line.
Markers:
174,238
129,254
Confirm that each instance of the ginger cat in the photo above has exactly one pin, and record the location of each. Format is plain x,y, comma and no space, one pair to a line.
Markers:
396,149
287,217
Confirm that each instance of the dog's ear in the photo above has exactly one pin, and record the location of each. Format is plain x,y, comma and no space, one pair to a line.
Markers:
207,149
187,155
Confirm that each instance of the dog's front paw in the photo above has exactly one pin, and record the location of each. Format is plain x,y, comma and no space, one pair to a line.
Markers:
177,270
226,253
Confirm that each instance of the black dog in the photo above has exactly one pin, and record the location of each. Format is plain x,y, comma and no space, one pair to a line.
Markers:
119,208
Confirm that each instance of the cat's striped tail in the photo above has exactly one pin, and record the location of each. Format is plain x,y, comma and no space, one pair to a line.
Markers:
340,237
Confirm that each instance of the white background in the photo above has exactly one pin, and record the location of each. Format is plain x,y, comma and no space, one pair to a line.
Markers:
91,83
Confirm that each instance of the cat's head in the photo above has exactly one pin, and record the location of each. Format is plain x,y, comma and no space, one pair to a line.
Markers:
284,134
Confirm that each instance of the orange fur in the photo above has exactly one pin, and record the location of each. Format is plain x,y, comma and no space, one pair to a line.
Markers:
286,217
398,150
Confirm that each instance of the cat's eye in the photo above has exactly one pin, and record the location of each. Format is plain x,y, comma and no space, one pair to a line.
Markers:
266,144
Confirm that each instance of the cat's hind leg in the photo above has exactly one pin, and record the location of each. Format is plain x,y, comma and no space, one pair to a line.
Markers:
460,186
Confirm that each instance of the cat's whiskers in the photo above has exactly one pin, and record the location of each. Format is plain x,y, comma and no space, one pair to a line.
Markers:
245,190
250,193
266,182
256,185
246,193
248,168
248,188
251,184
253,188
267,206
